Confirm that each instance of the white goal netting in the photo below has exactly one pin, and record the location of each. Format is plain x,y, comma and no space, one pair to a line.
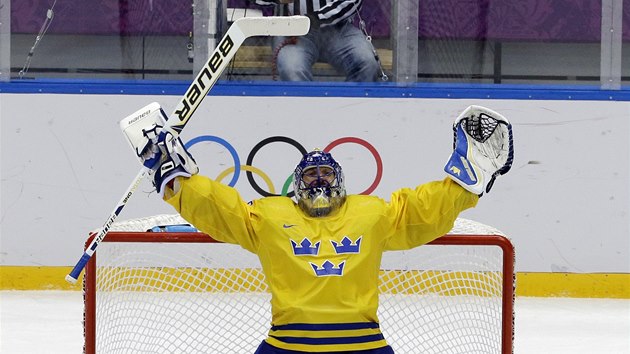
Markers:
179,293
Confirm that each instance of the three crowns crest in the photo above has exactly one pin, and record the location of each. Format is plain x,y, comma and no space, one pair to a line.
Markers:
305,247
347,246
328,269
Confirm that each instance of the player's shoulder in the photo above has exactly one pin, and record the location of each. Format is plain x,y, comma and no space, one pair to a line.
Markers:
363,197
364,201
273,202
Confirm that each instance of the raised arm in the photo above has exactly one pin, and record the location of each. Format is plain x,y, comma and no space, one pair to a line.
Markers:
210,206
215,209
419,216
483,149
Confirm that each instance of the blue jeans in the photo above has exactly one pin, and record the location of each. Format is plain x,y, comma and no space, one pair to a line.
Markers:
343,46
266,348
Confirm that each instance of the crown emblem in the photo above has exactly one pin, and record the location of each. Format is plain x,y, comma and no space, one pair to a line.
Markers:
328,269
347,246
305,247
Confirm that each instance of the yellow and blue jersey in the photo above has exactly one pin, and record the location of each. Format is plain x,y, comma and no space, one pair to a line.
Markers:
322,272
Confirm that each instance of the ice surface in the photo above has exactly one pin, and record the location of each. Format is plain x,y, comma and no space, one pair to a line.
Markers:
51,322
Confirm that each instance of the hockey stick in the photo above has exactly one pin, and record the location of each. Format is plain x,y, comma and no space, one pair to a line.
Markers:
240,30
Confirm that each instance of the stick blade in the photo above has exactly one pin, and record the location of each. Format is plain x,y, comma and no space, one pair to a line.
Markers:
273,25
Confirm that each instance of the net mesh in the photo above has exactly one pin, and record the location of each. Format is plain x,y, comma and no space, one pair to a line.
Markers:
165,297
481,126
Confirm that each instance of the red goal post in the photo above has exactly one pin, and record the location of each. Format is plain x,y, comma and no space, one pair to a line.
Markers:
185,292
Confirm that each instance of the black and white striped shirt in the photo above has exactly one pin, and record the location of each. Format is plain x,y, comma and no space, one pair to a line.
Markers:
329,12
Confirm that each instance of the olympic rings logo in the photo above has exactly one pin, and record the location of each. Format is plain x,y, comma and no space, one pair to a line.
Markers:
250,169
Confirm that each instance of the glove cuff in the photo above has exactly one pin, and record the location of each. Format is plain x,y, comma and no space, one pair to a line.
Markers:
466,174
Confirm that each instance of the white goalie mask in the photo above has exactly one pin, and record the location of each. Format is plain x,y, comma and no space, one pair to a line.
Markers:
319,184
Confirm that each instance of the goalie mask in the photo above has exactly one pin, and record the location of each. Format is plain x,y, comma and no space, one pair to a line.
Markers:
318,184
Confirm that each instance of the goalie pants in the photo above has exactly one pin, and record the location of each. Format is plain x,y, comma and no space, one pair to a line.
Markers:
266,348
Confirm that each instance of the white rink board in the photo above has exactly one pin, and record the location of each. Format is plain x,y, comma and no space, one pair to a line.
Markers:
564,204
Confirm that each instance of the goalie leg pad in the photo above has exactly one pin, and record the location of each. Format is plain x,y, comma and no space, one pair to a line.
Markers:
482,150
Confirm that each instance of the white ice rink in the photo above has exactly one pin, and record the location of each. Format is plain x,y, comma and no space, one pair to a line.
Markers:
41,322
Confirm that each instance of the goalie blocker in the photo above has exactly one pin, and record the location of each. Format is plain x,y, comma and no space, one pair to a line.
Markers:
156,148
483,149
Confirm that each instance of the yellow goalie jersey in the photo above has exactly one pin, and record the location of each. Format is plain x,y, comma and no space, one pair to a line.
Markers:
322,271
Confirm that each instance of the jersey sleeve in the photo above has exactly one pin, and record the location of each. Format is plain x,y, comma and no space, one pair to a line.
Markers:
420,215
215,209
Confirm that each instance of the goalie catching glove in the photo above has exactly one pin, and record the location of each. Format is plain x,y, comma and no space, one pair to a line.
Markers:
156,148
482,149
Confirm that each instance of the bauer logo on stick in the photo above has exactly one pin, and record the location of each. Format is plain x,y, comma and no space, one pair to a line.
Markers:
196,91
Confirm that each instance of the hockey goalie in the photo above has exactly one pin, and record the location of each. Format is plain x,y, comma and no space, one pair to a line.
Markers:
321,252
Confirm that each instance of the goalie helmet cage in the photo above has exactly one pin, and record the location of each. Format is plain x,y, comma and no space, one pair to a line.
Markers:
161,292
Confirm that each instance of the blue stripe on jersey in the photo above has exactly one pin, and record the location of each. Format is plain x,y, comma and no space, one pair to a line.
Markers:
325,326
331,340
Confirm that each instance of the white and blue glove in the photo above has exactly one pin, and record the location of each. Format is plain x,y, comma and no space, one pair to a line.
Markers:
482,149
156,148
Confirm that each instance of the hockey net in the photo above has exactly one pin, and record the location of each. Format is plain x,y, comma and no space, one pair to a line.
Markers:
163,292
